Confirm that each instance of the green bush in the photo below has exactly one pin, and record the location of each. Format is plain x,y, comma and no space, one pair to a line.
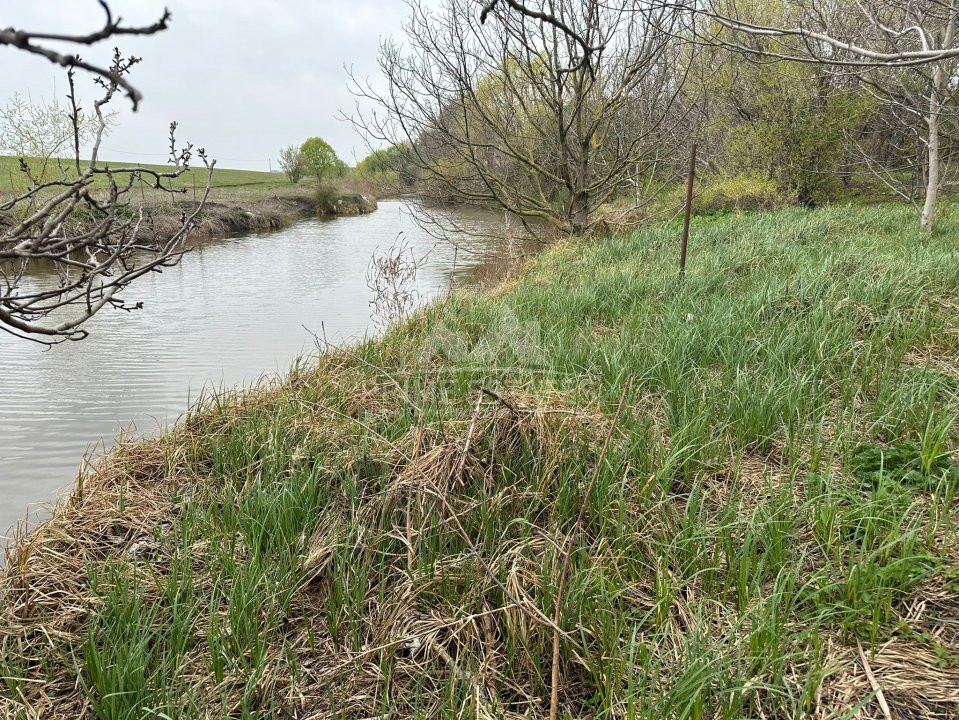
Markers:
326,197
741,193
333,200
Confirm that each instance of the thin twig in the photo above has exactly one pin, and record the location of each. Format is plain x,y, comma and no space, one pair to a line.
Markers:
469,436
499,398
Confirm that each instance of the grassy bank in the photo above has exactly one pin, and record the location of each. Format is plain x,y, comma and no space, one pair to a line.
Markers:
223,179
716,492
239,200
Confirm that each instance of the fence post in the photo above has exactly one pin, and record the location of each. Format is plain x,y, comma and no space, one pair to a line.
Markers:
689,209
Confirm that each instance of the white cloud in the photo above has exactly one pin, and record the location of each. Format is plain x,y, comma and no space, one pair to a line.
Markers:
241,77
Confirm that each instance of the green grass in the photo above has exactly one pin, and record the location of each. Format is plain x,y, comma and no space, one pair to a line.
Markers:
365,540
12,179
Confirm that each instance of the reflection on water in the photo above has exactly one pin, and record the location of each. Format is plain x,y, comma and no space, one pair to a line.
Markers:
231,311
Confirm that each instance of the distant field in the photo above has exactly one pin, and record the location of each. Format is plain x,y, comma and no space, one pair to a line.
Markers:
13,180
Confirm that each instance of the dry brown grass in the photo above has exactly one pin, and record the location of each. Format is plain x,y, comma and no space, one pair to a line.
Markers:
44,587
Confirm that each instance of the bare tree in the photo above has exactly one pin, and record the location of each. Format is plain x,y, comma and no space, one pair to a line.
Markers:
515,114
43,130
861,33
71,244
906,52
291,162
391,277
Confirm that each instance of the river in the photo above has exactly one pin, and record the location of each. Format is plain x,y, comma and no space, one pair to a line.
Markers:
234,310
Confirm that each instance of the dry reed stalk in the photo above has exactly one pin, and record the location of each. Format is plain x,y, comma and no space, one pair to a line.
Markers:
876,687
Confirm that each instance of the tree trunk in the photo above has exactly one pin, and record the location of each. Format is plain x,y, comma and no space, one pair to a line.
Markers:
938,92
580,209
933,162
580,213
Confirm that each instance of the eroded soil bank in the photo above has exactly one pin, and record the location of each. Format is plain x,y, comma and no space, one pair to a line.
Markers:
223,216
272,212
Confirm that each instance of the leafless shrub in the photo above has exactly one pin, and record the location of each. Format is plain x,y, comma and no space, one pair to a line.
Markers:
513,114
392,279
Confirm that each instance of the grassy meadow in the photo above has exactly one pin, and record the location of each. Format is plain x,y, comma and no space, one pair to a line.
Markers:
224,180
732,497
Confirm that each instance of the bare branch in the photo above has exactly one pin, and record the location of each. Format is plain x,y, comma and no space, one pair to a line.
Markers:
74,243
847,52
27,40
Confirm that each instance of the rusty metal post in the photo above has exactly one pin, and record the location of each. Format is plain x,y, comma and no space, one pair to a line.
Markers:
689,210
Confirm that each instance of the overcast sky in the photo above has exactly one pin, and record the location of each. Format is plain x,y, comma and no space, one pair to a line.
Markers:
241,77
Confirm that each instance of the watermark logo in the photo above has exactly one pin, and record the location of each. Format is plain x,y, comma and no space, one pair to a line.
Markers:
506,343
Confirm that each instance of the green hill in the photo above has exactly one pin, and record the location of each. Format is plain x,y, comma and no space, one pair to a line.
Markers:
11,178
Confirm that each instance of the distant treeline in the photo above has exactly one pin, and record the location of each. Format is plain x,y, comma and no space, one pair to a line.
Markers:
568,126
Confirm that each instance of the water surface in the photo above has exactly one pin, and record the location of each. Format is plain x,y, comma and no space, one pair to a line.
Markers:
233,310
